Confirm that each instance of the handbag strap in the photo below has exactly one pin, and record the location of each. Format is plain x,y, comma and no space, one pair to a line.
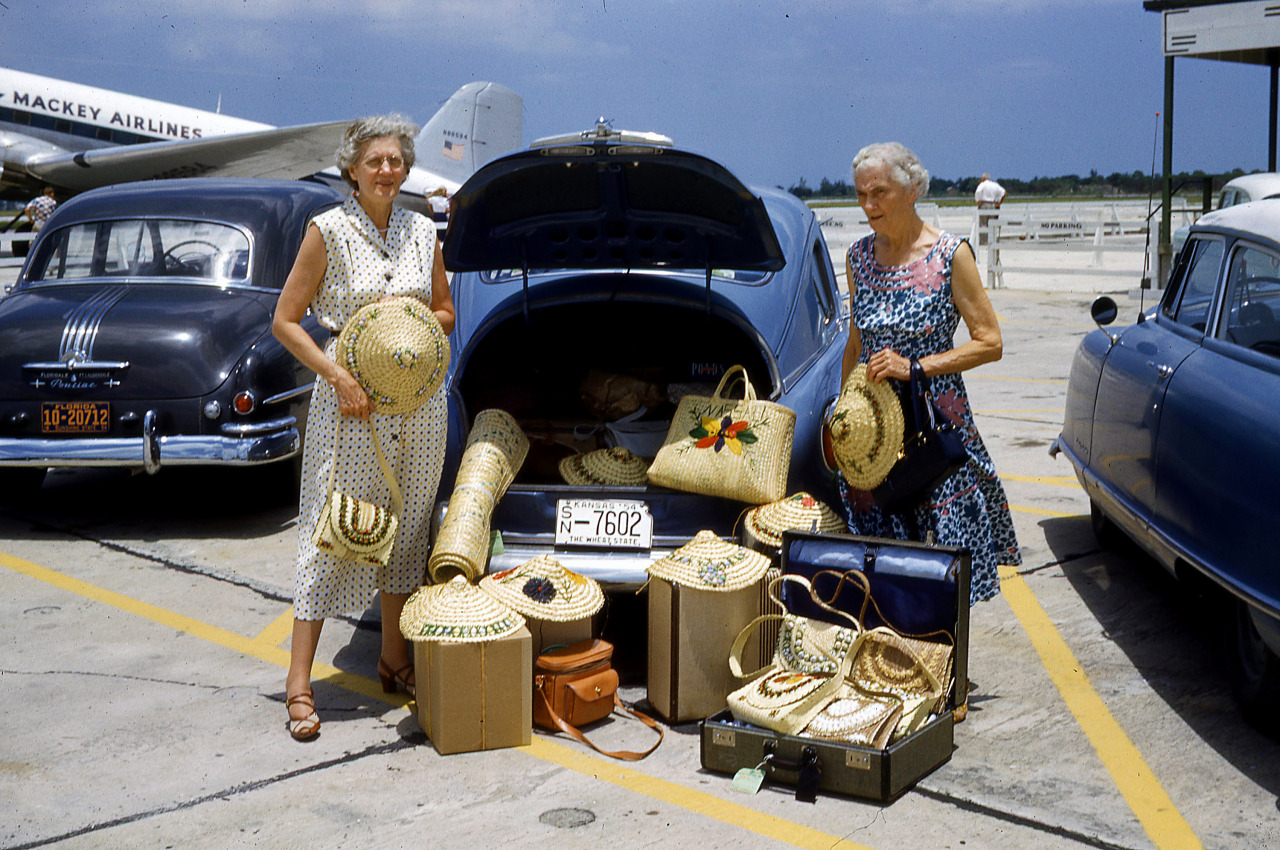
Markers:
868,599
748,393
740,643
397,500
572,731
922,398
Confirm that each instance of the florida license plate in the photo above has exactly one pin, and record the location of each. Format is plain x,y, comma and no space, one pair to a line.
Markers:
605,523
75,417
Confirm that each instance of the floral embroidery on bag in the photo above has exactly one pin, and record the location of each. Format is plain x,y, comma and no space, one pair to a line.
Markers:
717,434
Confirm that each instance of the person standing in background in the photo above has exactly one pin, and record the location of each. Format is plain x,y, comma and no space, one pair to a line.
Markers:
989,194
39,209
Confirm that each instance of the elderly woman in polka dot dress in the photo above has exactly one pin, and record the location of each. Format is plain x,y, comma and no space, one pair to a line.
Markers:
354,255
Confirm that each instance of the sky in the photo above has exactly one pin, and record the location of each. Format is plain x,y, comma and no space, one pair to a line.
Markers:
776,91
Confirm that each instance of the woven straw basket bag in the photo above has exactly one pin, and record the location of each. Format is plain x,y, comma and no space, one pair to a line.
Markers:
735,448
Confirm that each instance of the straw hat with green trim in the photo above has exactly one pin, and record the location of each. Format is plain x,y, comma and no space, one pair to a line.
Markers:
708,563
542,589
798,512
866,429
457,612
615,467
397,351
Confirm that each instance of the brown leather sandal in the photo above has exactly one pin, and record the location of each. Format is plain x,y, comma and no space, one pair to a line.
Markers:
403,677
305,727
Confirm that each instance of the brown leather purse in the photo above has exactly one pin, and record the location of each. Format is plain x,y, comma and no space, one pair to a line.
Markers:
576,685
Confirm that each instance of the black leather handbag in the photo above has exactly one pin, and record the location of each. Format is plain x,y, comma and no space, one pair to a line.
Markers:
932,451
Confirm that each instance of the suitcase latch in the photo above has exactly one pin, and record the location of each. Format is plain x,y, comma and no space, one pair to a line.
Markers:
857,760
723,737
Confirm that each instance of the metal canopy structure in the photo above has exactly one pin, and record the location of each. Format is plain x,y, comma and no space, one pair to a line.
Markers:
1225,30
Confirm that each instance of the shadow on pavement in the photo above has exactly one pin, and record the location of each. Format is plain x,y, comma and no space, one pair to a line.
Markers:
1170,634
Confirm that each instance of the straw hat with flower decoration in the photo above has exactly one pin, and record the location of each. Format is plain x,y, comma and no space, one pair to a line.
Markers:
542,589
397,351
866,427
798,512
708,563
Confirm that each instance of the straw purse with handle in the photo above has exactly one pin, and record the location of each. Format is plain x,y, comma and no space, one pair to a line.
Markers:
735,448
353,529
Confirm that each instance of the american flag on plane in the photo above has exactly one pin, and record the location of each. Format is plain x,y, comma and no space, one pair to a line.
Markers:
453,150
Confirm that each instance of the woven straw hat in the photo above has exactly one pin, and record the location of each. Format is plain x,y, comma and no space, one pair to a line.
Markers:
457,612
866,430
542,589
708,563
799,512
616,467
397,351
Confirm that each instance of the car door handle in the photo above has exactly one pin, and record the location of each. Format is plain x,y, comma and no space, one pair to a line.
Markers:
1163,370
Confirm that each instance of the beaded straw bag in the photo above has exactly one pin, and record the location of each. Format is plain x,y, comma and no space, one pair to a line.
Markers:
352,529
735,448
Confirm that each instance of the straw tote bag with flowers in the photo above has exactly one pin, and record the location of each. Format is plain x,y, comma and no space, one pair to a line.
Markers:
736,448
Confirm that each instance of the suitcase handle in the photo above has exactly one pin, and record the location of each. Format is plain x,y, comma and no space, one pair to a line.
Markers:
808,768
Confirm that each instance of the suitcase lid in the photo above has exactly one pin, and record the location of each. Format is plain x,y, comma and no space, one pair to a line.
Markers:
920,588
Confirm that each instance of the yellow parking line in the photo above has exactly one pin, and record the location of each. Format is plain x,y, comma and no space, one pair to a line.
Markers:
270,653
691,800
1163,823
279,631
1055,480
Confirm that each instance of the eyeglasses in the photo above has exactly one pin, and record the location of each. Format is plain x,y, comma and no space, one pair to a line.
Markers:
374,163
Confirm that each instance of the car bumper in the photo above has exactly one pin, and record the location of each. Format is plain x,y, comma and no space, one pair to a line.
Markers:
239,445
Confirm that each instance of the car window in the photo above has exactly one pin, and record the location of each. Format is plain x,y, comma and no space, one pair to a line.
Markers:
1228,199
143,248
1196,277
1253,300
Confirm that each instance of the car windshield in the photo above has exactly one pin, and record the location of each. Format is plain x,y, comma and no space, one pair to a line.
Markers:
141,249
749,278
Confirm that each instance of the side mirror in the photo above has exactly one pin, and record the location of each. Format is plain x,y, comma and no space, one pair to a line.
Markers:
1104,310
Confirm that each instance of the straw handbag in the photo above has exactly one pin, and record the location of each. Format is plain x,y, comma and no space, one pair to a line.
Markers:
356,530
735,448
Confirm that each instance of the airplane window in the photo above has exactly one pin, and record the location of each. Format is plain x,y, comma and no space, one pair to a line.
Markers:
144,248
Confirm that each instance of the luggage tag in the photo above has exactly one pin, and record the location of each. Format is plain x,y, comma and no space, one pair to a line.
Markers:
749,779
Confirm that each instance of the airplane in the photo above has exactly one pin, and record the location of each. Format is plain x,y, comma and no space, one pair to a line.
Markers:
76,137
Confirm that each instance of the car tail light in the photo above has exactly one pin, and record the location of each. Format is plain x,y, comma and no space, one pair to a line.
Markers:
828,451
244,402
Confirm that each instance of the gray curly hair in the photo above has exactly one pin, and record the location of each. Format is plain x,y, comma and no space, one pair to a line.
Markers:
365,130
902,164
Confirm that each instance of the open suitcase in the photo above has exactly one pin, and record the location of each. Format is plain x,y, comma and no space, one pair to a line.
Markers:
920,588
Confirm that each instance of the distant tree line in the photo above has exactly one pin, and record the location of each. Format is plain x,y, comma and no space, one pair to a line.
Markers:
1094,185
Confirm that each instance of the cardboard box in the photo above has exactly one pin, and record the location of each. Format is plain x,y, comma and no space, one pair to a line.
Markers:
476,696
547,633
919,588
690,634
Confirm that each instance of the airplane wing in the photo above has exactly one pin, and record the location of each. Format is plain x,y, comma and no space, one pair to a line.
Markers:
286,152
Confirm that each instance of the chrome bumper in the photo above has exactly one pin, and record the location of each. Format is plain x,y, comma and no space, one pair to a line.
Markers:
613,569
240,446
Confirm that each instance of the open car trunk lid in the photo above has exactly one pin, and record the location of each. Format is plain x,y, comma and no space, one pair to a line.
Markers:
604,204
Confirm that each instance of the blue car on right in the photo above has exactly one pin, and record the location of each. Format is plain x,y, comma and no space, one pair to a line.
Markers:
1173,427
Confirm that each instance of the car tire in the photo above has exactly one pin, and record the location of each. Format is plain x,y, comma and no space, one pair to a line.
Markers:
1106,531
1254,668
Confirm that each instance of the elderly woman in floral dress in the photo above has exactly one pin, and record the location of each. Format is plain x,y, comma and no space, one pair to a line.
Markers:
910,284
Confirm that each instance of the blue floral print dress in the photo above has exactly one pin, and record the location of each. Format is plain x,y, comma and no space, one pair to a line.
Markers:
910,310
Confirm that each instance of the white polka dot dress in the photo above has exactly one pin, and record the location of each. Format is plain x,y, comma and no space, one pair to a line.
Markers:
362,269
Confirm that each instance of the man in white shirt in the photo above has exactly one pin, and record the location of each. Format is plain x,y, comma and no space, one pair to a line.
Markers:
989,194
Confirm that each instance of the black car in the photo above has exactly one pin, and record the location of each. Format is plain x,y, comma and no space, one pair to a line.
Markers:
138,334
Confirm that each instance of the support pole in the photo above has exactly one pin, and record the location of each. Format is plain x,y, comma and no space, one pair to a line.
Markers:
1165,249
1275,86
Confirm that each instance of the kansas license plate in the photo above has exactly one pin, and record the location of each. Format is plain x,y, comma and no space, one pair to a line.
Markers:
75,417
611,523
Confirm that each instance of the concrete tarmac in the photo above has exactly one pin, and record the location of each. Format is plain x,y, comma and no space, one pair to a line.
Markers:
144,637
